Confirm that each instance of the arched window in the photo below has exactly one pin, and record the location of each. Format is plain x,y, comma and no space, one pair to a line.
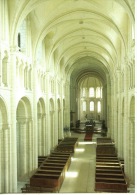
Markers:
91,92
91,106
84,106
99,106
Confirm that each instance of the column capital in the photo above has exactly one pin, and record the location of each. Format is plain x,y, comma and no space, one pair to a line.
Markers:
5,127
39,115
44,115
21,120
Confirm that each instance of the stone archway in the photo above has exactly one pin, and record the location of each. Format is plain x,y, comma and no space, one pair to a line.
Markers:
25,143
41,120
4,148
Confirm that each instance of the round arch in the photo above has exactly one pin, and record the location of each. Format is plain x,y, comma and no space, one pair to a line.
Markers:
24,139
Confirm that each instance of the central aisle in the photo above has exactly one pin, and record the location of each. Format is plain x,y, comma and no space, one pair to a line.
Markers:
80,177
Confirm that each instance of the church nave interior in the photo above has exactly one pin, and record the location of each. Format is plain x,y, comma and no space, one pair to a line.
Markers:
64,64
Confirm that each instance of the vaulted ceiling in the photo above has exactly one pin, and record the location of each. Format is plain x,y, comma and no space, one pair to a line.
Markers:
83,35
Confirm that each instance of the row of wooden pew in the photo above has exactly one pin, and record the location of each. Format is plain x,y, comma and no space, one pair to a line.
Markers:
68,144
109,176
52,169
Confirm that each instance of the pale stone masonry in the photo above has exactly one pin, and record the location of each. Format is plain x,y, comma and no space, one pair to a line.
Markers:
49,51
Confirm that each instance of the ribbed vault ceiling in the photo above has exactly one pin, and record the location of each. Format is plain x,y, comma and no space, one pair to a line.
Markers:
83,35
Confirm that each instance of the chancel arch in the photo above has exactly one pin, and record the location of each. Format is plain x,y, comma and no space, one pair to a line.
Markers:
25,142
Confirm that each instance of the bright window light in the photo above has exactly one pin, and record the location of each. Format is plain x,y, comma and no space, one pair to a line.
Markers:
91,106
91,92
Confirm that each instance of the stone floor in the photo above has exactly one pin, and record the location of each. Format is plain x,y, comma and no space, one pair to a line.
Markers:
80,177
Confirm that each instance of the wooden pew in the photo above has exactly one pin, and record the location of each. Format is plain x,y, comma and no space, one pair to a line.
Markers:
64,165
71,138
106,150
67,160
107,160
109,176
67,145
105,140
110,180
108,163
41,159
60,153
65,148
46,180
34,189
52,170
111,185
102,170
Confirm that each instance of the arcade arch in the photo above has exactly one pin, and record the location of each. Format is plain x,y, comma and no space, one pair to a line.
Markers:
25,140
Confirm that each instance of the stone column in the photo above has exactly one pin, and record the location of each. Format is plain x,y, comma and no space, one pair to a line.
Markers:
126,122
47,140
0,69
0,160
112,110
13,135
44,133
23,150
51,130
27,77
6,70
60,127
67,104
56,125
6,160
108,116
119,116
132,152
30,147
122,136
32,139
39,134
104,107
